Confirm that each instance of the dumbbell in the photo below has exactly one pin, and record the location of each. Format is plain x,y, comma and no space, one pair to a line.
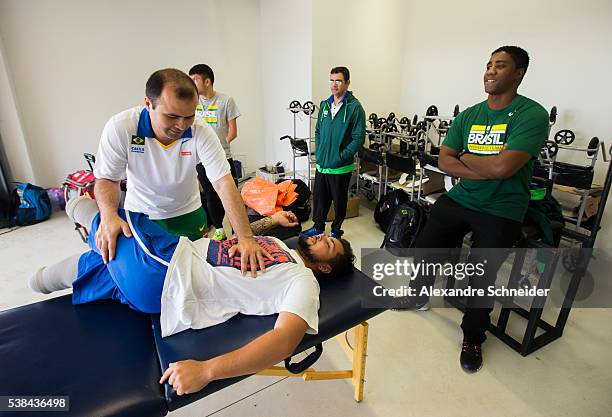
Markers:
295,107
381,122
373,119
443,125
456,110
549,150
566,137
390,127
552,118
391,117
431,111
308,108
415,119
404,123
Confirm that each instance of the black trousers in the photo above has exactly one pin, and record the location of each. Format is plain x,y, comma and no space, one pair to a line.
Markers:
328,188
210,199
446,227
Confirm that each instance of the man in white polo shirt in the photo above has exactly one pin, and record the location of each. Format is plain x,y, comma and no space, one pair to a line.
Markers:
157,146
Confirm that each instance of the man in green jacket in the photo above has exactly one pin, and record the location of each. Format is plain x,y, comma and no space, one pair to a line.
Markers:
339,134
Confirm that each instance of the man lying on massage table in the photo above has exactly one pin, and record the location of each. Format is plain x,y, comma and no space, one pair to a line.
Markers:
199,284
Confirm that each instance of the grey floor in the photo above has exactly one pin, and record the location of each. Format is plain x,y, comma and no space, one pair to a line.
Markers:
412,364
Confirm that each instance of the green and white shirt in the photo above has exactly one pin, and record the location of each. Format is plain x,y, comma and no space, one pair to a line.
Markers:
521,126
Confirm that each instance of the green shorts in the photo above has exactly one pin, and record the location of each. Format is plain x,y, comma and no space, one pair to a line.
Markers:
192,225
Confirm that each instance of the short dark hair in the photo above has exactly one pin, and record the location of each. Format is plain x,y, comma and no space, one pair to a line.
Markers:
184,87
341,70
342,263
519,55
204,71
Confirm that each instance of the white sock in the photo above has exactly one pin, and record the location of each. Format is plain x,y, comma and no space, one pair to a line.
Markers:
82,210
55,277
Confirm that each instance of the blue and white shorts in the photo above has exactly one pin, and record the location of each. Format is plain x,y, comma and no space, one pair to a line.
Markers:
136,276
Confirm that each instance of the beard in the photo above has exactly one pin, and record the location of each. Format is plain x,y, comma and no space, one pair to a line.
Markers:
303,249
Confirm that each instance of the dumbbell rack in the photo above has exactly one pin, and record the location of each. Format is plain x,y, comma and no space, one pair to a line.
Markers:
414,140
300,146
546,164
405,161
380,134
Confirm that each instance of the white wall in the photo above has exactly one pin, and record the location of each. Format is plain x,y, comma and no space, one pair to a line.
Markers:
74,64
367,36
286,39
569,42
11,130
67,66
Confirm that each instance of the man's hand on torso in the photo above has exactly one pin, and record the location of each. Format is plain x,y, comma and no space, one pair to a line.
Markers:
251,255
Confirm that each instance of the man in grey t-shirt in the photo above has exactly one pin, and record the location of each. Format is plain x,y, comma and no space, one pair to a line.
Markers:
220,112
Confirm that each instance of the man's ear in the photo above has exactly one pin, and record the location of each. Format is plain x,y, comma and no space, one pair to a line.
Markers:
324,268
521,74
148,103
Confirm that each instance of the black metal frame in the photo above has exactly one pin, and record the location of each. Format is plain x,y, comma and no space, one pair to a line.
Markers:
530,342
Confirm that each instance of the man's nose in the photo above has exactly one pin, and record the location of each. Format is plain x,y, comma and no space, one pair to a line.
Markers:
182,124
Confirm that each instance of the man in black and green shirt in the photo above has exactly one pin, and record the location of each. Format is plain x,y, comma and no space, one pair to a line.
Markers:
339,133
491,147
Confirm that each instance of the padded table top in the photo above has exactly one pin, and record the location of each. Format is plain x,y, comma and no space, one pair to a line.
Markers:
341,309
101,355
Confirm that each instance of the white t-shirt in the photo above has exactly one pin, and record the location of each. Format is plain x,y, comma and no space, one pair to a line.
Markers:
203,287
161,180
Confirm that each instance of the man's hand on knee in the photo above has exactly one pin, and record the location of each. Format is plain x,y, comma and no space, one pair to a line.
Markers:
106,235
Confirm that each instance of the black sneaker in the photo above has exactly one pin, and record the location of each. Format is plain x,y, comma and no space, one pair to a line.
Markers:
337,234
471,357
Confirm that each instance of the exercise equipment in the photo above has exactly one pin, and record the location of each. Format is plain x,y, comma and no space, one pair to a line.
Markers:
432,111
552,117
456,110
549,150
414,139
295,107
375,155
373,119
565,137
308,108
302,147
404,124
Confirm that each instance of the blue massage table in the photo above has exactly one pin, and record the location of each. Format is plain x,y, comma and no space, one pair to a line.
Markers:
108,359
